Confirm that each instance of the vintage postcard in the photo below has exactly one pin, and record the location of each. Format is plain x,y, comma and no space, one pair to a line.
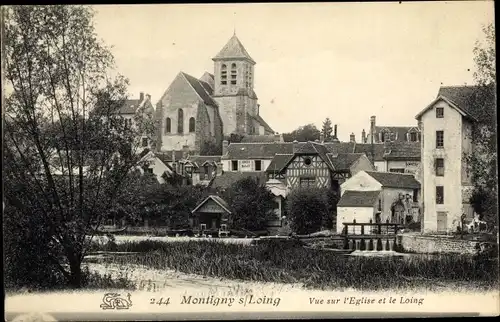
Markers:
249,161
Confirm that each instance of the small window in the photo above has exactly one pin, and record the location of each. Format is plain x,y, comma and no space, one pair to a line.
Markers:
144,142
223,75
386,137
415,195
307,182
233,74
439,195
203,226
168,125
258,165
395,170
380,205
191,124
439,139
440,167
234,165
439,112
148,170
307,161
413,137
180,121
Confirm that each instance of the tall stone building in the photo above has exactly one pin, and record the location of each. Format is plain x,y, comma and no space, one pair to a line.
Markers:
193,112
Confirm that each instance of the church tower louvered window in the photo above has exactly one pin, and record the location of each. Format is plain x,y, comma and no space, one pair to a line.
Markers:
233,74
223,74
180,121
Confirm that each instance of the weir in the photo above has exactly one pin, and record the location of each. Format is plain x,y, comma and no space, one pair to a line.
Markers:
371,236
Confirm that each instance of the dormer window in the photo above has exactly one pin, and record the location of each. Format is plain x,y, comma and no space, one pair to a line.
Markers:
223,74
233,74
413,137
386,137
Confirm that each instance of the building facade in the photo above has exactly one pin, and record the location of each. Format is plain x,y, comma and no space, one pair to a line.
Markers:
446,125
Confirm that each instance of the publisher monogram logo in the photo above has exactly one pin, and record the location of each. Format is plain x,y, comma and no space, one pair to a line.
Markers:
112,301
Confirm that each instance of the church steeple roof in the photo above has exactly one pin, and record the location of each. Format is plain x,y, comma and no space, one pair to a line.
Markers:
233,49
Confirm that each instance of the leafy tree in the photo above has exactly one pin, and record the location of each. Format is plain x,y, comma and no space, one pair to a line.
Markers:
210,148
483,160
327,130
311,209
67,152
252,204
304,133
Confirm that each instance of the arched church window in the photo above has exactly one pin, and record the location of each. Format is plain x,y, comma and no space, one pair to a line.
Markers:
233,74
180,121
191,124
223,74
168,125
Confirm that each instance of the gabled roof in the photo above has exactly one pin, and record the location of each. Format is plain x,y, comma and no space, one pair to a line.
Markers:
279,162
233,49
129,107
344,161
395,180
201,160
458,97
166,156
367,148
402,151
201,88
243,151
228,178
261,121
260,139
358,199
218,200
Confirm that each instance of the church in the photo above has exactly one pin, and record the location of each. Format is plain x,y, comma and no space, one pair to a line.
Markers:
194,112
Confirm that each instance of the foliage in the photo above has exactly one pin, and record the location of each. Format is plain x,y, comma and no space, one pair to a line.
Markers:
210,148
252,204
66,151
304,133
482,162
285,263
327,130
311,209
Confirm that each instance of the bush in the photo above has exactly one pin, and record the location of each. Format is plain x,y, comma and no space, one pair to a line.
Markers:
309,210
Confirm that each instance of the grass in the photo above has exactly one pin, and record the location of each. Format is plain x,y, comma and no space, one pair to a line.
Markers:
290,263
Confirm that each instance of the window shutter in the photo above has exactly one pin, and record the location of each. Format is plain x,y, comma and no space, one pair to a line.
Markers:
408,137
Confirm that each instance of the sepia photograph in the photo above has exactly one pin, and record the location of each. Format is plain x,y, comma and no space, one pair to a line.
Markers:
249,161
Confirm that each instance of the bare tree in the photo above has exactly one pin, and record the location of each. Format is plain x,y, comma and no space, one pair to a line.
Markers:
66,150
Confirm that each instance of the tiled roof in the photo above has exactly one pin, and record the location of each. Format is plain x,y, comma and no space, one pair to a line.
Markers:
279,162
462,96
215,198
400,131
395,180
200,89
402,151
344,161
226,179
259,139
199,160
358,199
166,156
366,148
129,107
340,147
243,151
233,49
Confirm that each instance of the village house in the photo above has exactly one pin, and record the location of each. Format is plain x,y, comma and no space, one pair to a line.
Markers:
133,108
381,134
446,125
152,163
379,197
197,111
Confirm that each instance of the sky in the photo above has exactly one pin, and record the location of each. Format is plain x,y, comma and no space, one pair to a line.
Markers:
346,61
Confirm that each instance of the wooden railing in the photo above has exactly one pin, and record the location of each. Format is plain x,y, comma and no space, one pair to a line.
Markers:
371,236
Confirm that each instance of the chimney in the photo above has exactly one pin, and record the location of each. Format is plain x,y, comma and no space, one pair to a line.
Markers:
352,138
295,146
141,96
277,137
335,131
225,144
258,109
321,138
219,169
185,151
363,136
148,97
372,129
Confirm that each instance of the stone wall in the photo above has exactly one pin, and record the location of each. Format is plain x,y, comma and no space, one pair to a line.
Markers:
435,244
